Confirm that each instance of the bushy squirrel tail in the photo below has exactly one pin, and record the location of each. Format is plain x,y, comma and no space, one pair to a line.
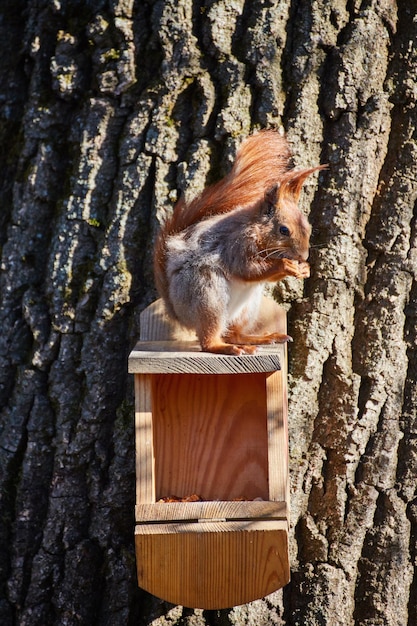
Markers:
261,162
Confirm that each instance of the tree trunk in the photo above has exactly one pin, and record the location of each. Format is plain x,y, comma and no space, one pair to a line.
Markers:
110,110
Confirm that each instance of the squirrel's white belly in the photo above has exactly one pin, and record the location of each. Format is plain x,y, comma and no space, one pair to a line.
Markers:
244,297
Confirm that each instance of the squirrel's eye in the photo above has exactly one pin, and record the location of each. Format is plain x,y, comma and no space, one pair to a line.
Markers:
284,231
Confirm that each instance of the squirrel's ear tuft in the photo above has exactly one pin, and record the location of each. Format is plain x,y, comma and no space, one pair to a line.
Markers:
272,194
270,201
294,180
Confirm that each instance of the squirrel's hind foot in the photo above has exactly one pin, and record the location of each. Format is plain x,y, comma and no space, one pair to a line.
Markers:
237,337
275,338
229,348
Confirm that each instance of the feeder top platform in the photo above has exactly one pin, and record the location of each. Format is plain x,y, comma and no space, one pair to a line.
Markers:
186,357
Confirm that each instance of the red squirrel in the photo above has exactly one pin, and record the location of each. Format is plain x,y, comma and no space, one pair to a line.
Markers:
215,254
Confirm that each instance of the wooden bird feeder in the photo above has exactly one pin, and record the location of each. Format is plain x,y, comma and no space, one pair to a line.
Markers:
215,426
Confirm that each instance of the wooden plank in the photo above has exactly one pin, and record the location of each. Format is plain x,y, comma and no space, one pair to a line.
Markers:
170,511
277,412
212,565
145,461
156,325
174,357
210,436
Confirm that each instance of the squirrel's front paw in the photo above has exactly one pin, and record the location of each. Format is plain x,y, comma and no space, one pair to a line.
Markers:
298,269
290,267
303,269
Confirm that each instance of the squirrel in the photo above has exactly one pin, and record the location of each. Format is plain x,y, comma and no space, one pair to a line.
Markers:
214,255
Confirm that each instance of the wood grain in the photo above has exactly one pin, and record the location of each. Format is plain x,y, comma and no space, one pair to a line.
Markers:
145,462
210,436
175,511
185,357
277,419
212,565
156,325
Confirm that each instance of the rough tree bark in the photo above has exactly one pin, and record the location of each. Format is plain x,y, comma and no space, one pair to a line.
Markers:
109,110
